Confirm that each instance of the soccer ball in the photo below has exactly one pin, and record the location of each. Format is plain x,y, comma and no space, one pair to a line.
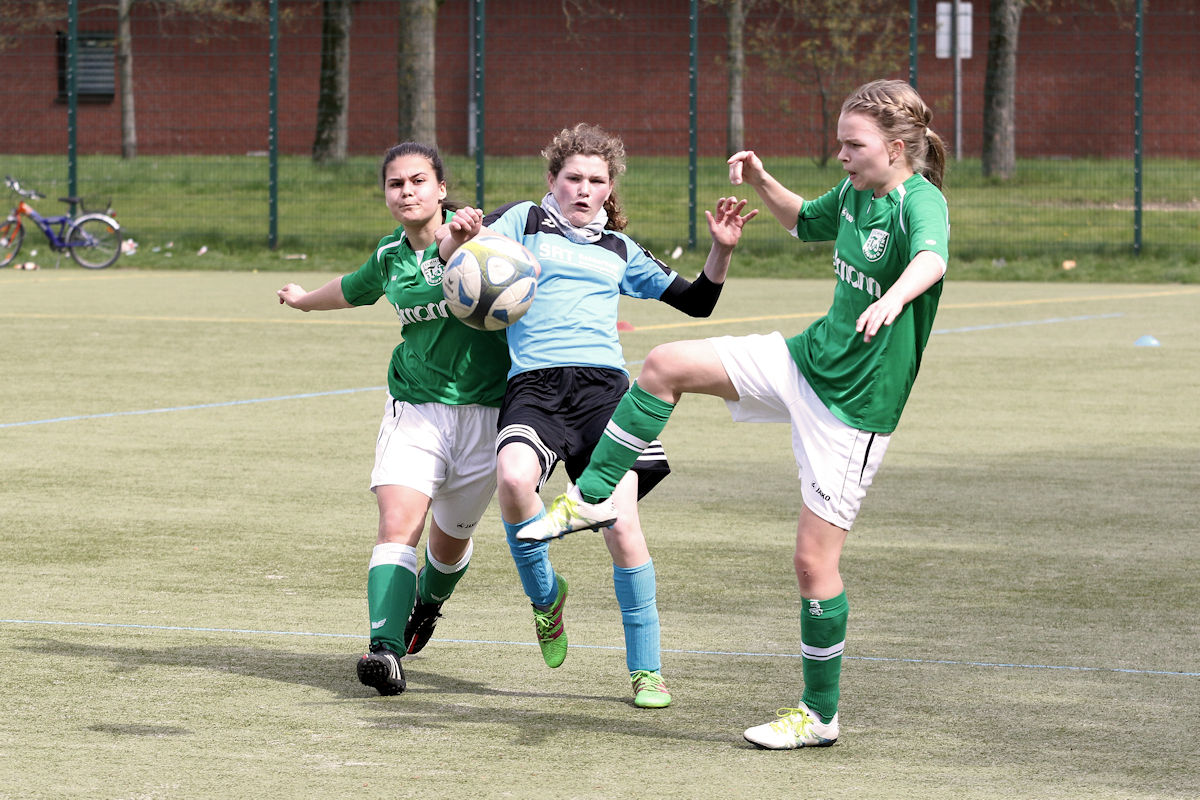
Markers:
490,281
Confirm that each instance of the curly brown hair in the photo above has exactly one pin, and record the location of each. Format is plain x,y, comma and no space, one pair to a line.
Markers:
591,140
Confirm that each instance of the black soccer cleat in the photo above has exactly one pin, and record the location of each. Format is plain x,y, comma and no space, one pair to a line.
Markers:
421,624
381,670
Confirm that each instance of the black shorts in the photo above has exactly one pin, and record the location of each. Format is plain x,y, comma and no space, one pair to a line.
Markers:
561,413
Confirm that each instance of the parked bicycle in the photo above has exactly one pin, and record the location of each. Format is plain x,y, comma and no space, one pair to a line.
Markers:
92,238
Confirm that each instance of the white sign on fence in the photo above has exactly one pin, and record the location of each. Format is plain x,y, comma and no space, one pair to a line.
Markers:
944,16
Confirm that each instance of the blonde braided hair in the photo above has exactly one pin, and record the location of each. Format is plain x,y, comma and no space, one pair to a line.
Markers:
900,113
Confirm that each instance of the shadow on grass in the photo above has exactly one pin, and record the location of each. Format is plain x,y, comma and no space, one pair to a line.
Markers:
331,672
534,725
148,731
425,704
334,673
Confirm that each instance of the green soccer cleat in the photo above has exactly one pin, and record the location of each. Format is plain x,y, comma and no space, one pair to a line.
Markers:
649,691
551,635
569,513
796,727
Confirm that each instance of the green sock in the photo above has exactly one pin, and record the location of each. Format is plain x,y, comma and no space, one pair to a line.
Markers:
436,581
391,591
638,420
822,640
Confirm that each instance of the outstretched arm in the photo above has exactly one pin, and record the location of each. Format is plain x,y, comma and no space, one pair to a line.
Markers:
745,166
699,298
726,230
327,298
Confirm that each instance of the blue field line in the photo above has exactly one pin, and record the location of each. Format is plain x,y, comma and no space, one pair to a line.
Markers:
193,408
736,654
1025,323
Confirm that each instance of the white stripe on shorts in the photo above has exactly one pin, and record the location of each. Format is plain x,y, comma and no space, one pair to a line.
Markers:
527,435
530,437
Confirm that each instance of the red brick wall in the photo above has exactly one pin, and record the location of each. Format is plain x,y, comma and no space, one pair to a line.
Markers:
208,94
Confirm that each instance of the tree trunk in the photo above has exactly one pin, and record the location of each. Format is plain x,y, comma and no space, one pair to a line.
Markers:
333,102
999,91
735,132
125,74
415,68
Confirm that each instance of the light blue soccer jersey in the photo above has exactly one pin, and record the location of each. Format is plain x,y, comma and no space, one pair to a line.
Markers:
573,319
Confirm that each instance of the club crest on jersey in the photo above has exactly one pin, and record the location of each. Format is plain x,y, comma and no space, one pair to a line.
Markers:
875,245
433,269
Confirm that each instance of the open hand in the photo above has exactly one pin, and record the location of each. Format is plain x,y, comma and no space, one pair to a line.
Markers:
727,223
882,312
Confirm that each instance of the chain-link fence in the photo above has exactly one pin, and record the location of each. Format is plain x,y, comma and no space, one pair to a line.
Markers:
246,125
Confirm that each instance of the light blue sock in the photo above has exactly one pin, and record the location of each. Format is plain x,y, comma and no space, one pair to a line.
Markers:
533,563
635,587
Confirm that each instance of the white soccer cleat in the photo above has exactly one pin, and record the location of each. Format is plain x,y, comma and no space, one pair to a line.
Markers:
567,514
796,727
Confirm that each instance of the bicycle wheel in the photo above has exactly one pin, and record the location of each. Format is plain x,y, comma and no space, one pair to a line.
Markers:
12,233
94,240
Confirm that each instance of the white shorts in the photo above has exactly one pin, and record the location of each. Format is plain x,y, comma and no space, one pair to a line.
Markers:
837,462
447,453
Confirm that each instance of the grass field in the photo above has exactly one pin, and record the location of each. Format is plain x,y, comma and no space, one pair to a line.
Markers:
186,528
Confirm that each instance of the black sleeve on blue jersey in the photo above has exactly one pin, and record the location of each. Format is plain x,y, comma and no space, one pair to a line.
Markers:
696,299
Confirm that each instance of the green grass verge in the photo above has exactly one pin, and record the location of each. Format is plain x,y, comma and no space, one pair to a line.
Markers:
1025,229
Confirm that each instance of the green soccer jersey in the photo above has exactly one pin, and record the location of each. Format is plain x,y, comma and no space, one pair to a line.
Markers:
440,360
866,384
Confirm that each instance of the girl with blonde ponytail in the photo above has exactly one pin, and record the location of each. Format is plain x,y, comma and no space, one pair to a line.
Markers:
842,383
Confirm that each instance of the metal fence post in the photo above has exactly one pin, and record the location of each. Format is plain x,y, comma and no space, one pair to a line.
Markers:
72,99
693,116
273,130
957,56
912,43
1138,53
479,98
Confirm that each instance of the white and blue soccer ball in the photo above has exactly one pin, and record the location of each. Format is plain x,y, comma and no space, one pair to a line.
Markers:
490,281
